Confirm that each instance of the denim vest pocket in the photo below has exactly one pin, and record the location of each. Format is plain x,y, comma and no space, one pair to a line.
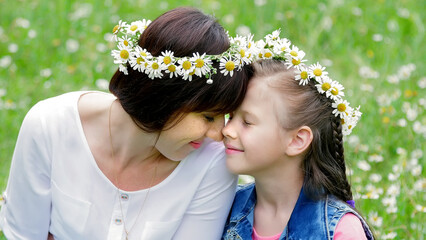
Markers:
160,230
69,215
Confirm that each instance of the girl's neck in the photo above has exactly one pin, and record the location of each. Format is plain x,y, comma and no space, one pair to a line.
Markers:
277,192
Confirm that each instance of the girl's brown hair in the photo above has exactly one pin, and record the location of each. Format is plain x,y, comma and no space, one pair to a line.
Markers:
324,163
154,103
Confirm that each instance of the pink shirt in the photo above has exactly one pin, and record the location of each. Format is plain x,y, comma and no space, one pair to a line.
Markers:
348,228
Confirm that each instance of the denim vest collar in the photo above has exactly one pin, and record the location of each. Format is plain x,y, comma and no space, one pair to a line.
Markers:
310,219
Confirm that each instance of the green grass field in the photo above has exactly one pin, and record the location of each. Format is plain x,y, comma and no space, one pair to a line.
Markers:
375,48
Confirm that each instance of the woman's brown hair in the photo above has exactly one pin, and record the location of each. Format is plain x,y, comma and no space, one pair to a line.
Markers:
154,103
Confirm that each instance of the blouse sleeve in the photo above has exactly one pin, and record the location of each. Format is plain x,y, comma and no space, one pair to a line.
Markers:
206,215
349,228
26,212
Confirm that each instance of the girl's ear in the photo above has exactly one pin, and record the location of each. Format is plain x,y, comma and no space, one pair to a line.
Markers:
300,141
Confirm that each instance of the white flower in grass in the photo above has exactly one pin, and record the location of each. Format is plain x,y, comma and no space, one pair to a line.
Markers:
302,76
417,170
374,219
341,108
393,190
375,177
185,66
201,64
391,235
317,71
227,65
172,70
420,208
336,91
389,201
154,68
375,158
363,165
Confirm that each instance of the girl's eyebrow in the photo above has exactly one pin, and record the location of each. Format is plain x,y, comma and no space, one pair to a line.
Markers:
250,114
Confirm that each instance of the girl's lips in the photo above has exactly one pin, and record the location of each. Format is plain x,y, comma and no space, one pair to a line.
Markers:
195,145
232,150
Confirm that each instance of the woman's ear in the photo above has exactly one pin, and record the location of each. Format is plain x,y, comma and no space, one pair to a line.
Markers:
301,140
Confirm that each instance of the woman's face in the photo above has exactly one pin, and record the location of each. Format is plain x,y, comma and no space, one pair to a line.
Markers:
189,133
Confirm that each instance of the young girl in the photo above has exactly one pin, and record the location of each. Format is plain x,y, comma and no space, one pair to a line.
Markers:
139,163
287,134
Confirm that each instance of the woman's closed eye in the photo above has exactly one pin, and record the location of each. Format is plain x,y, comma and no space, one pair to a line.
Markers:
209,118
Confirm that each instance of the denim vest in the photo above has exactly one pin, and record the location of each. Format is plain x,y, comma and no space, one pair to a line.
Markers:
309,220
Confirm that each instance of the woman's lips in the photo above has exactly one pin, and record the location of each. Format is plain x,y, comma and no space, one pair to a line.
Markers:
195,145
232,150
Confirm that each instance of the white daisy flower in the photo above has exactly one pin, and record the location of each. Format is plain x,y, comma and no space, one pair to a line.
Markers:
122,55
154,68
272,38
323,84
137,62
144,25
239,41
134,27
340,108
266,54
282,45
336,91
142,52
243,56
227,65
119,27
123,69
173,70
188,76
201,64
317,71
302,76
126,41
185,66
167,57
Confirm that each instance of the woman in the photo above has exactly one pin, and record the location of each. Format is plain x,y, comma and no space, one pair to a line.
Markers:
135,164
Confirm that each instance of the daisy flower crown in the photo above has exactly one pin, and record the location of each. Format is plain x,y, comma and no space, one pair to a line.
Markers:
242,51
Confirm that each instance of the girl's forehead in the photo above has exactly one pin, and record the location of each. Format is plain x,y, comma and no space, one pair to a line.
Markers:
260,88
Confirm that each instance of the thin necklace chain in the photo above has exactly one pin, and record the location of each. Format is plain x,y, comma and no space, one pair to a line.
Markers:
116,180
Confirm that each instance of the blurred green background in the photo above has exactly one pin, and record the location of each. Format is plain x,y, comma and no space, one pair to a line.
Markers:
375,48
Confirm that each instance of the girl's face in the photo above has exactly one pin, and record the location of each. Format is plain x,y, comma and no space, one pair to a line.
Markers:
254,138
188,134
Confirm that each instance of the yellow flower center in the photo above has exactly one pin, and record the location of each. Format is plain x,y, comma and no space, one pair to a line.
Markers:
268,54
171,68
249,45
260,55
133,28
199,63
293,53
167,60
192,73
341,107
139,60
242,53
283,48
115,29
143,53
230,65
304,75
334,91
155,66
342,121
124,54
295,61
186,65
325,86
317,72
126,43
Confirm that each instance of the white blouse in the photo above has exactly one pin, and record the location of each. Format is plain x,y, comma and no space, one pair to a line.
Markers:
56,186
